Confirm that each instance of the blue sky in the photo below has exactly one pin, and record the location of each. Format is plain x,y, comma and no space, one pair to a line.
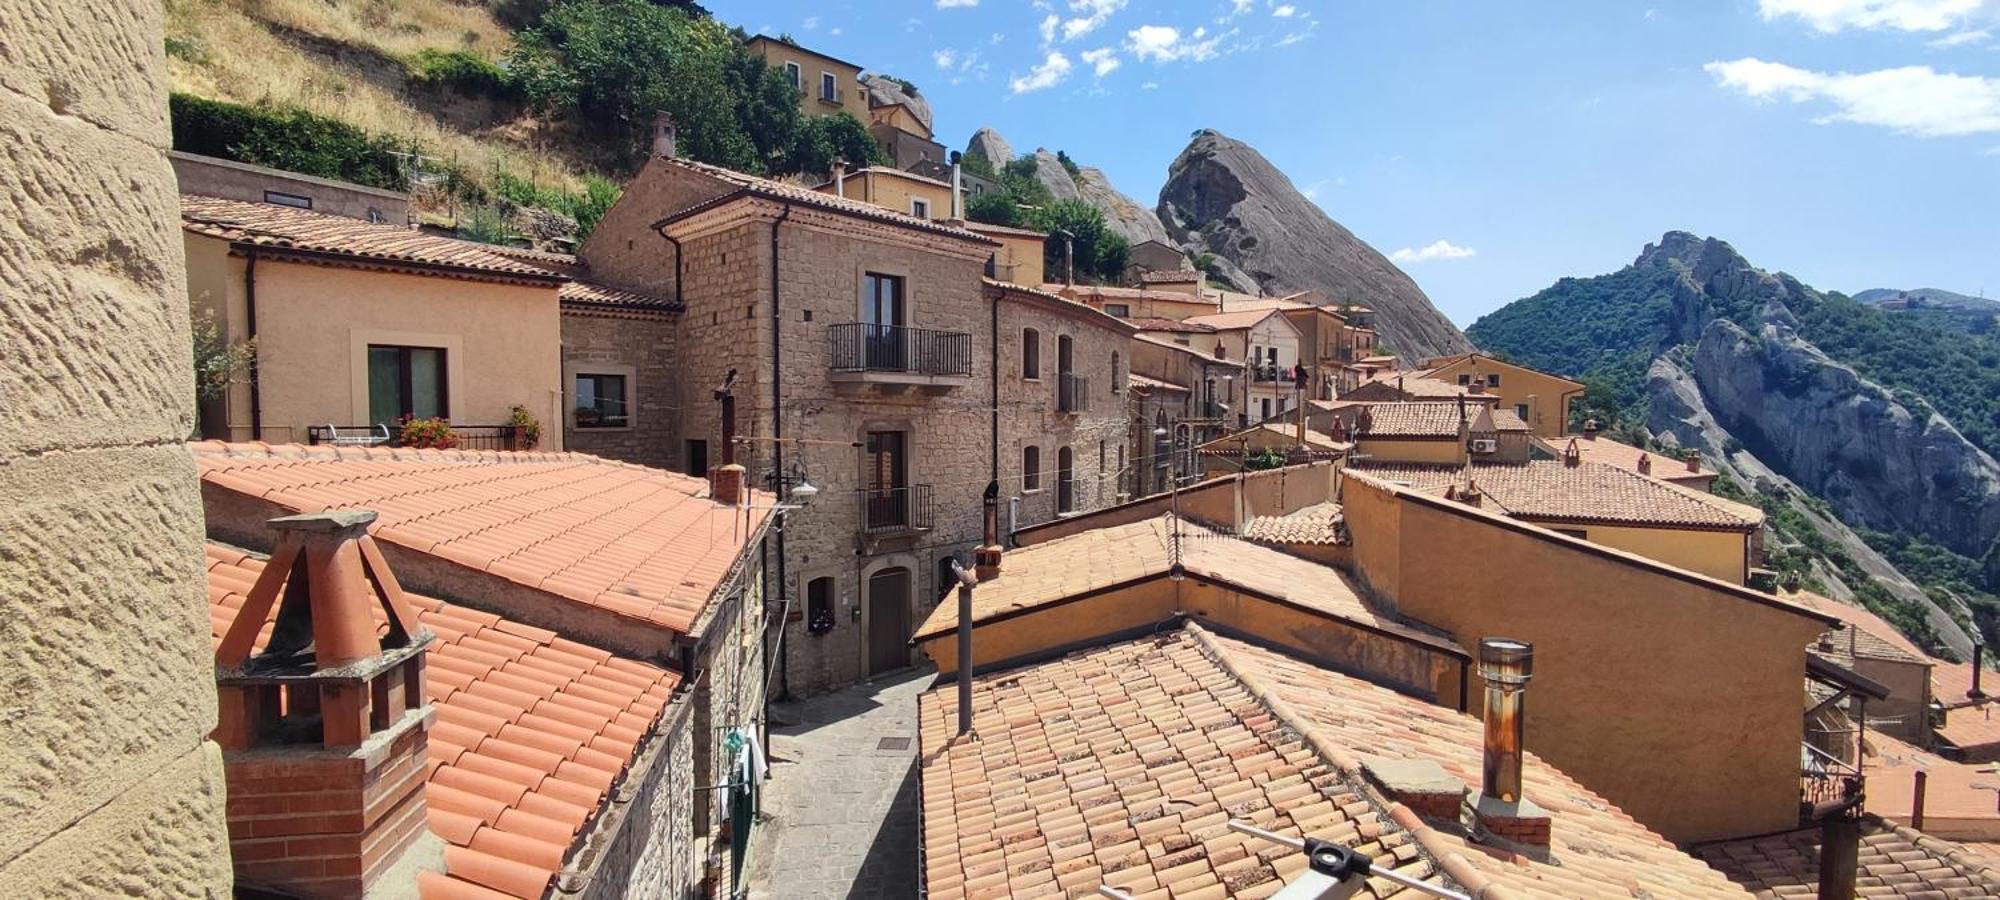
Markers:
1495,147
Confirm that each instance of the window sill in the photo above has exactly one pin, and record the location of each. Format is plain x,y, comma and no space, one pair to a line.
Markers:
1030,492
602,427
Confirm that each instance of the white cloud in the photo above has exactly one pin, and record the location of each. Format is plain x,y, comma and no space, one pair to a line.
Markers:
810,23
956,4
997,38
1284,11
1094,14
1312,190
1239,7
834,31
1165,43
1103,60
1433,251
1915,100
1048,28
1052,71
945,58
1960,39
1297,36
1154,86
1830,16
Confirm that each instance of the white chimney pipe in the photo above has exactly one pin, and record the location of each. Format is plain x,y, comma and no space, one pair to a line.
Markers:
957,189
839,178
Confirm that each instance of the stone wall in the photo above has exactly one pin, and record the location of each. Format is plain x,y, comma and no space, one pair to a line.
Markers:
1029,415
107,782
641,347
643,844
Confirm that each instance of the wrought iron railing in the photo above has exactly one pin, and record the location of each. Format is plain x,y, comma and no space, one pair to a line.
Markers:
1826,781
1267,373
895,510
1072,392
465,437
865,347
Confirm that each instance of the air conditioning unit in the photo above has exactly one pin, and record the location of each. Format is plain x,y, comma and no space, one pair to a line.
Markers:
1485,445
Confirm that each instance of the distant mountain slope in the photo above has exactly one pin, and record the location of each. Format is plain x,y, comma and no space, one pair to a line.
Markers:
1818,403
1225,198
1977,315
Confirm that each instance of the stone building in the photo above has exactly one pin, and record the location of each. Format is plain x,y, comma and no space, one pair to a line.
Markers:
112,786
1181,400
618,364
1063,400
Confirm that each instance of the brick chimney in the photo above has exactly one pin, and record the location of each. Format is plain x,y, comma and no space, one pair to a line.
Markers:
1572,456
1502,811
986,559
725,484
1590,429
1693,459
1477,385
324,731
1645,463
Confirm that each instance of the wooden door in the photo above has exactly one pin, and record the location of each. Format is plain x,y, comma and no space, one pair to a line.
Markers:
888,620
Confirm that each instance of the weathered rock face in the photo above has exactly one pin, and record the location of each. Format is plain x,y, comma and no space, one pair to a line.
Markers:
882,92
1879,463
1121,213
988,144
1679,416
1224,197
1050,172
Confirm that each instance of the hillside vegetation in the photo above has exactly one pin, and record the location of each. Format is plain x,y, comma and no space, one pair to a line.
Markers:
482,106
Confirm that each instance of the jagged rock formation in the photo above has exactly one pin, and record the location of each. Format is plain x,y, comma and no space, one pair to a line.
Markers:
1679,416
1050,172
990,146
1225,198
1136,223
882,92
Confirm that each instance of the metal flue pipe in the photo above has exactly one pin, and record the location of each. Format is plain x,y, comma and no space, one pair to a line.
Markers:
965,583
1506,664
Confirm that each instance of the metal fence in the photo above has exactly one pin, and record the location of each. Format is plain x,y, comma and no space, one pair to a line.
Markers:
864,347
891,510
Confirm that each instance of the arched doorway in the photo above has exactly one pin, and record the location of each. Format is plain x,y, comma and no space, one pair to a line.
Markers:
888,620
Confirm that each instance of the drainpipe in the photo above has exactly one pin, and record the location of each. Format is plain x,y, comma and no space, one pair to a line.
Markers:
778,427
993,363
677,265
250,321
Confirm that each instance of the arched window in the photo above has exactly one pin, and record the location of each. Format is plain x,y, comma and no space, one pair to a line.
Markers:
947,580
1065,482
819,605
1031,353
1117,375
1031,468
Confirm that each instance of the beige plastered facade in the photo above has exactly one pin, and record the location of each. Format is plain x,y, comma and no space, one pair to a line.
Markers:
1545,397
502,342
1674,695
108,784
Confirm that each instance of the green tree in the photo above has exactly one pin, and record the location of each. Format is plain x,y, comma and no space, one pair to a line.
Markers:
994,208
1100,253
822,139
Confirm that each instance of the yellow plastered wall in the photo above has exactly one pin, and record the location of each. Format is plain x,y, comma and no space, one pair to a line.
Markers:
894,192
1722,555
1542,393
1673,696
853,97
1020,259
503,343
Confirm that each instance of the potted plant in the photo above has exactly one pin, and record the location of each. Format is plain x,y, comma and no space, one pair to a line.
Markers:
435,434
527,429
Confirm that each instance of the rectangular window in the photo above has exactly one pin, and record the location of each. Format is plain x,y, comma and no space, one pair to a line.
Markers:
1121,310
1031,468
920,207
601,402
1521,409
798,77
405,382
1031,353
1493,380
882,322
829,87
1464,379
697,458
283,199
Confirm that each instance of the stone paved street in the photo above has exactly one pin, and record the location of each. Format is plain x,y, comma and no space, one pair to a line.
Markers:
842,804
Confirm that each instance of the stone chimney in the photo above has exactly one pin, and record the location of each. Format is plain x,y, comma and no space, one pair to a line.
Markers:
1693,459
1503,812
1590,429
1645,463
666,141
986,559
323,731
1572,456
725,484
1477,386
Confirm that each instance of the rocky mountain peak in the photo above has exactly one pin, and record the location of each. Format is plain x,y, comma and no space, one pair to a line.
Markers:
990,146
1703,256
1224,197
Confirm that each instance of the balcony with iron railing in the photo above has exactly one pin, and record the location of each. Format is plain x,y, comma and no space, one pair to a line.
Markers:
898,355
464,437
1267,372
1072,392
895,510
1828,785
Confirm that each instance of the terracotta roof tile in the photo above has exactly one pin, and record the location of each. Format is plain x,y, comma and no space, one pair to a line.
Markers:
1123,764
1865,635
583,293
1547,490
1604,450
505,792
1394,420
790,193
1169,276
644,543
1320,523
1230,321
1895,861
286,228
1055,570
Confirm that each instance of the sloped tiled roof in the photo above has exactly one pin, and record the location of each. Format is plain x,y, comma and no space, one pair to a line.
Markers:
1149,383
1392,420
1604,450
1414,387
287,228
1589,492
1958,797
1866,635
1169,276
1319,523
642,543
1056,570
1156,324
1231,321
587,294
1509,420
791,193
532,733
1952,683
1122,765
1895,861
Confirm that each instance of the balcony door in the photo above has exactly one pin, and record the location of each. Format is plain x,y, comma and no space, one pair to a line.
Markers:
405,382
1065,481
888,620
885,493
882,322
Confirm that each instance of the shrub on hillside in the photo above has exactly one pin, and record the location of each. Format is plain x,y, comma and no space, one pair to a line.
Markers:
463,71
823,139
994,208
1100,253
287,138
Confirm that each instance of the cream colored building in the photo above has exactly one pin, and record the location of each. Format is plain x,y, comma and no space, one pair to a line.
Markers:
357,325
112,785
1269,344
904,192
826,84
1540,399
